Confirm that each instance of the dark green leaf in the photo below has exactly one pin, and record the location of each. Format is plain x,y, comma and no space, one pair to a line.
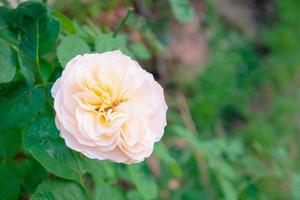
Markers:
59,190
70,47
7,62
20,110
9,182
6,31
144,183
27,65
42,140
32,174
10,142
38,28
46,70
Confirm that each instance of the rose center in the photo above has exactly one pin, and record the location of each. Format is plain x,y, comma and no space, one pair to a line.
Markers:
103,101
106,113
106,107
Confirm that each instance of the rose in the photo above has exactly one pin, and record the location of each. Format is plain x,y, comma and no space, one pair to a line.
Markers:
108,107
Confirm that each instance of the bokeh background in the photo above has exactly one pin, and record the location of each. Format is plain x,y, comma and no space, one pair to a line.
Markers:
231,74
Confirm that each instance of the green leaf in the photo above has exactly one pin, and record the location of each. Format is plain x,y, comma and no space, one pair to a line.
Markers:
20,110
144,183
38,28
10,142
227,171
140,51
7,62
96,169
70,47
106,42
65,22
155,43
105,191
228,189
27,68
188,136
133,195
295,185
59,190
32,174
42,140
6,32
182,10
9,182
109,169
176,169
161,152
46,70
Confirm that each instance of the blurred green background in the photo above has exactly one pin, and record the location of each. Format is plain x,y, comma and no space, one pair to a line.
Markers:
230,73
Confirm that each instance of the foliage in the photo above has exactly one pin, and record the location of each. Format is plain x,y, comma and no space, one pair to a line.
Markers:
244,107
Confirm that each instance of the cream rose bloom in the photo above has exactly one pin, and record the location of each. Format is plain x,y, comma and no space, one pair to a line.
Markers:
108,107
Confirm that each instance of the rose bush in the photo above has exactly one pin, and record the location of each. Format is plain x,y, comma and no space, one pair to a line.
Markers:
108,107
